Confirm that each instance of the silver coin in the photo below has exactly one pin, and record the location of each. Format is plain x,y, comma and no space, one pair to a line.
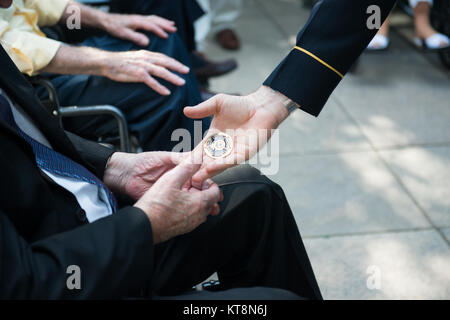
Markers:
218,145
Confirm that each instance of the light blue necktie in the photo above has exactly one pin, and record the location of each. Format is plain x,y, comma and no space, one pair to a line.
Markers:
52,161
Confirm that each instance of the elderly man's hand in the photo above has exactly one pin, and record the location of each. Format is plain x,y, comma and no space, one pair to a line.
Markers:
128,66
143,66
135,174
125,27
248,119
174,207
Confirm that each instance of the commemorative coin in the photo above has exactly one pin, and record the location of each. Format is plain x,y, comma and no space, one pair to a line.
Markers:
218,145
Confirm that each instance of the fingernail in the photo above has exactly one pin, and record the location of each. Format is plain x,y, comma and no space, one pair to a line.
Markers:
205,185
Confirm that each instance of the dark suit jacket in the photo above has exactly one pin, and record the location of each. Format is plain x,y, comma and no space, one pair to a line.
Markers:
43,230
336,33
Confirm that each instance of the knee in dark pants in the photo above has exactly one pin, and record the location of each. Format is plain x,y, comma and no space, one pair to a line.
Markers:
240,174
171,46
253,204
246,174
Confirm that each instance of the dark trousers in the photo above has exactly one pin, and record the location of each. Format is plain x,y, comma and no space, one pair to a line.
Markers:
253,242
151,117
182,12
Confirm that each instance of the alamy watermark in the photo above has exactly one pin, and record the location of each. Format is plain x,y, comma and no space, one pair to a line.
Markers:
374,20
73,21
73,281
373,281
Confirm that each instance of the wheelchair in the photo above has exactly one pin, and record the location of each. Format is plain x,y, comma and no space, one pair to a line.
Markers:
122,141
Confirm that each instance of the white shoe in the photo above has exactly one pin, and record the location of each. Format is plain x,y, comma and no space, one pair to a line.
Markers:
435,42
378,43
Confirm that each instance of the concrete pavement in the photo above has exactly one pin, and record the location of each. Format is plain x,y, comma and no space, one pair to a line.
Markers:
369,179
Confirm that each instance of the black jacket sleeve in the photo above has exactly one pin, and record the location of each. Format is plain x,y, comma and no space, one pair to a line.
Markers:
115,257
334,36
94,154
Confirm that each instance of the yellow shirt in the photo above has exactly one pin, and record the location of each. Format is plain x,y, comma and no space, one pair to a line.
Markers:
21,37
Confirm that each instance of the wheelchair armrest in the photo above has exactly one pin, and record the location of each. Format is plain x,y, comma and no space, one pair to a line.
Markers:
53,101
75,111
55,108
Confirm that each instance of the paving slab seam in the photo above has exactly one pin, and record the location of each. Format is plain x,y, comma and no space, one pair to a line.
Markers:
369,233
393,173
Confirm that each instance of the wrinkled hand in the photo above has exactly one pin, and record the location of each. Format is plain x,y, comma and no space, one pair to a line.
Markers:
174,207
135,174
124,26
248,120
143,66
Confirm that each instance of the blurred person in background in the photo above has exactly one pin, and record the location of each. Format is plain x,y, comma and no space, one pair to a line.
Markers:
139,65
220,19
426,36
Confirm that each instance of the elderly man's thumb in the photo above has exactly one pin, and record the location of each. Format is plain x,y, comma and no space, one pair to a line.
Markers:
179,175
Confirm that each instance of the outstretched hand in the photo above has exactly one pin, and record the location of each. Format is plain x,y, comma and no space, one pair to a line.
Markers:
247,119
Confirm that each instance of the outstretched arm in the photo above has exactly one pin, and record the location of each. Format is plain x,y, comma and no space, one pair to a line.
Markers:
334,36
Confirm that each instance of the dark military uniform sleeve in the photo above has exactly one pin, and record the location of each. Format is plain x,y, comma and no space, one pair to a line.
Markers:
334,36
